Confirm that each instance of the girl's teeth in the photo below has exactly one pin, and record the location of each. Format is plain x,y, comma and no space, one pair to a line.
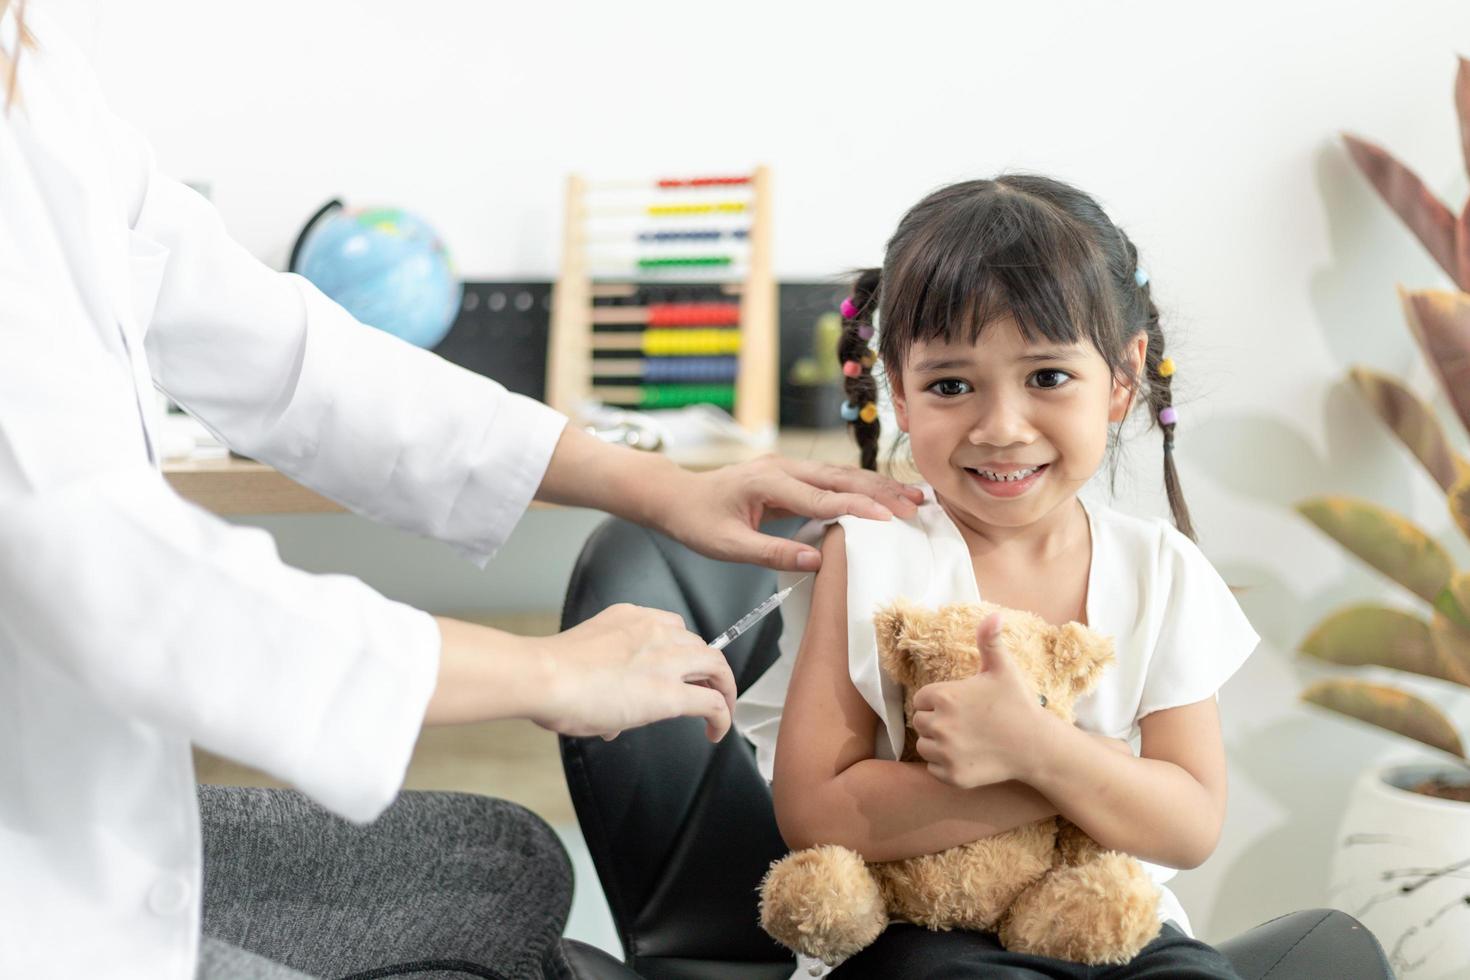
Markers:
1008,477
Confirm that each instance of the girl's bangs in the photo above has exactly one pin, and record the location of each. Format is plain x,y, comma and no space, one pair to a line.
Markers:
1027,263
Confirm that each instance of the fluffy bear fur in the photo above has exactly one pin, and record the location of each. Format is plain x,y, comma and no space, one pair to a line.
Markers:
1046,888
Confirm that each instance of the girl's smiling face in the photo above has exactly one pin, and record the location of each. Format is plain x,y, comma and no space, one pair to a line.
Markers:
1006,430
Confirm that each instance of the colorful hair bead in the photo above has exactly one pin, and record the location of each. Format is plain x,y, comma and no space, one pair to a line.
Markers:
865,331
852,368
869,412
849,412
1166,367
848,309
1168,416
1140,276
869,359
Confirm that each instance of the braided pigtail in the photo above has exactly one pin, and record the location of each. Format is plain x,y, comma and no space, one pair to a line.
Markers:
1160,371
860,410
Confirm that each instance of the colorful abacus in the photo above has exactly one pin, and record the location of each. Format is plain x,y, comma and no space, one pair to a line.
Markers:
666,297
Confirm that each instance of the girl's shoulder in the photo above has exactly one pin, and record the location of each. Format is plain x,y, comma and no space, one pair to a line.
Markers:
1147,544
1152,583
862,532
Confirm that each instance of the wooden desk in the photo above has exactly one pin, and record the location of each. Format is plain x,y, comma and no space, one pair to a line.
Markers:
237,486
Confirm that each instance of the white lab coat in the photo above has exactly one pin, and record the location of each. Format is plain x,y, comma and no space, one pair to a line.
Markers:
133,623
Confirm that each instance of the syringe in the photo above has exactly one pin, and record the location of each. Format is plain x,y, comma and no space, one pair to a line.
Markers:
754,616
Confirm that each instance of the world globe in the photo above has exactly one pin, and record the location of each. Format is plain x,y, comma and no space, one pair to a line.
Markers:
386,266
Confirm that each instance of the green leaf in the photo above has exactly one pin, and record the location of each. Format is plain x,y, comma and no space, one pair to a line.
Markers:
1451,650
1459,500
1412,421
1368,634
1387,708
1385,540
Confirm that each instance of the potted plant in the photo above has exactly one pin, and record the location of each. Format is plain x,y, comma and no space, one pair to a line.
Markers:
1402,858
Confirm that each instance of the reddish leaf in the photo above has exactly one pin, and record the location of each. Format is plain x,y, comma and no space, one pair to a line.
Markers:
1440,321
1462,108
1413,422
1462,248
1430,221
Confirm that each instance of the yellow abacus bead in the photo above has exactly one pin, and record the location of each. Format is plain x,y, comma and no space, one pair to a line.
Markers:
1166,367
869,412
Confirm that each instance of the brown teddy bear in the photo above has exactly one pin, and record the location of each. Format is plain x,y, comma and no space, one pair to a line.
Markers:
1046,888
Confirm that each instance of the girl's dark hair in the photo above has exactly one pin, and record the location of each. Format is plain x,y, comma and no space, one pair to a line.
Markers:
1033,248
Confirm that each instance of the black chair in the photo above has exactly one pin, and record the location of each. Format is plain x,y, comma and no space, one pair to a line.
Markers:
681,831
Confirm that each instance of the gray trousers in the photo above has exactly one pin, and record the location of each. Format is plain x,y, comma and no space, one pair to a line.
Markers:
443,886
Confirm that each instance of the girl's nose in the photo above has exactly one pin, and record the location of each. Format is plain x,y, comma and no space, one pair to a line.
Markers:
1001,423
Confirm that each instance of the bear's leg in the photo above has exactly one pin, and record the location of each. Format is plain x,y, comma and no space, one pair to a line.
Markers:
823,902
1102,911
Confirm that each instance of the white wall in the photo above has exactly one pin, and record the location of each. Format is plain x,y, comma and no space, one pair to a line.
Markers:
1209,131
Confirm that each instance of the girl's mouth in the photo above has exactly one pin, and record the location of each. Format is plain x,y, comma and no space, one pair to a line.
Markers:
1009,484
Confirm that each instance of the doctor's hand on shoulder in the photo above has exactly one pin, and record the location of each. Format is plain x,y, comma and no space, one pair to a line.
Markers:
718,513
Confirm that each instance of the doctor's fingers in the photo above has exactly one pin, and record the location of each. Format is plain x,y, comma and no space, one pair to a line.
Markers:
713,670
854,487
786,493
712,706
645,704
695,663
747,545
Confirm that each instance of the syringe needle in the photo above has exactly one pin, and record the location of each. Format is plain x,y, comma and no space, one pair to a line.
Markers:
755,615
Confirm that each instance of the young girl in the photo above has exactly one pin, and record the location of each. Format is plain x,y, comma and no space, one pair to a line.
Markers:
1015,330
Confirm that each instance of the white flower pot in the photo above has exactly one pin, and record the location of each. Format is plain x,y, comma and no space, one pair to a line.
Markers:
1401,866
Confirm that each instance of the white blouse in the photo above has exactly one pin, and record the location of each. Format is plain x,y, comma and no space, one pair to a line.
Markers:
1179,634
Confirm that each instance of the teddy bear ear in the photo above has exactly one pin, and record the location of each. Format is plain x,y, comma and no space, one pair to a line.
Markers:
1080,655
895,654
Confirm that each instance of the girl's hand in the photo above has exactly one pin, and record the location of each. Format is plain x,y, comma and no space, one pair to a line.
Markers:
719,513
980,730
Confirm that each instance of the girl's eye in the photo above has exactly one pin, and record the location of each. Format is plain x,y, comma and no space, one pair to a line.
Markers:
1051,378
949,387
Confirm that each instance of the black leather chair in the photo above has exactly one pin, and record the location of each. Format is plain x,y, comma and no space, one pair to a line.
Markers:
681,831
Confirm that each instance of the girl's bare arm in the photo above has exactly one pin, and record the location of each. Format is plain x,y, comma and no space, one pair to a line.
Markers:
1167,806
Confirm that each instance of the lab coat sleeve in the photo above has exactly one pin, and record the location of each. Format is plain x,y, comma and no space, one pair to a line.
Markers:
165,614
284,375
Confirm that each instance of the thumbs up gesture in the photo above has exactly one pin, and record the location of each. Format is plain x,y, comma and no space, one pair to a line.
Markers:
982,729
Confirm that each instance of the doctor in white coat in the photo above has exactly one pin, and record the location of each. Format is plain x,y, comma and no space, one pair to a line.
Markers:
133,624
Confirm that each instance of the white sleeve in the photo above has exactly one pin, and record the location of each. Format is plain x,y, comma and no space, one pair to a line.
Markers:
282,374
160,611
759,708
1203,637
